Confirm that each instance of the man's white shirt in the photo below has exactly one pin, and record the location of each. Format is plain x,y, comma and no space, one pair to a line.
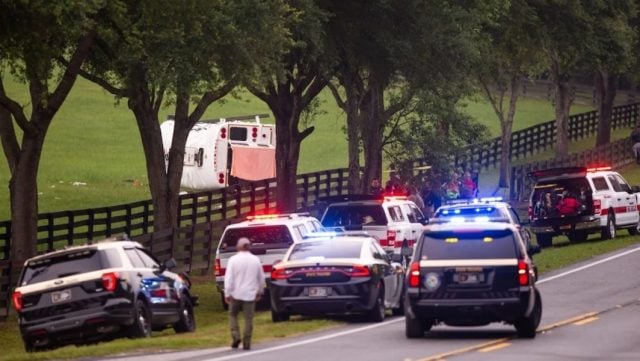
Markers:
244,278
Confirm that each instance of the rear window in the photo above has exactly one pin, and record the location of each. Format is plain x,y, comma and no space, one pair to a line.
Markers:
238,133
260,237
356,214
69,264
600,184
548,196
326,249
473,245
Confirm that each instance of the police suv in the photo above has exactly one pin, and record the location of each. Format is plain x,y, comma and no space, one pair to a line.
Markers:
577,201
395,221
472,274
271,236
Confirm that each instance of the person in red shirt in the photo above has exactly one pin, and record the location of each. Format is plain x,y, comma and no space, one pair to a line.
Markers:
568,205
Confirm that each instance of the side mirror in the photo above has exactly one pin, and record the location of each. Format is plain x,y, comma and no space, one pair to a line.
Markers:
169,264
533,249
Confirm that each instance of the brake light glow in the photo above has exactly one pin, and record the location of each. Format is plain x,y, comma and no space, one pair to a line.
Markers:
218,270
597,206
160,293
223,133
598,169
360,271
18,302
414,274
110,281
264,216
523,273
279,274
391,238
394,198
254,132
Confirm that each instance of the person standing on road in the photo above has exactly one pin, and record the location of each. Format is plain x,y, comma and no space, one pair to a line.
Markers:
635,140
243,286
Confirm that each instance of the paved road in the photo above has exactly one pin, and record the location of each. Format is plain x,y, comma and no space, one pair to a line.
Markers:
591,312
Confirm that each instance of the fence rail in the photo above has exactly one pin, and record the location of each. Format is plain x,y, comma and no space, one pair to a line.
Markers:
616,154
540,137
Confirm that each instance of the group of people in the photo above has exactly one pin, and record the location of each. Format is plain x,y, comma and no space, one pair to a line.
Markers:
428,192
565,203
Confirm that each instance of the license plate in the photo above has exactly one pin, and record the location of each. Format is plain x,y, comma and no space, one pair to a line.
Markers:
468,278
60,296
318,292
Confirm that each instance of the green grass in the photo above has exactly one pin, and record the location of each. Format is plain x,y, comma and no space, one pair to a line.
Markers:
212,331
94,140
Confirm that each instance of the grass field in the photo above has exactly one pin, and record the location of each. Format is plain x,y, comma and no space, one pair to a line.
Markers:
94,140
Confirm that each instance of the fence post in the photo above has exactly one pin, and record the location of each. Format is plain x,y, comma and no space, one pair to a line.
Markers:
252,198
223,203
145,217
127,226
49,232
238,200
267,196
70,227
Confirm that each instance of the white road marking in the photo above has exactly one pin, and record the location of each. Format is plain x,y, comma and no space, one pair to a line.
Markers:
306,342
589,265
390,322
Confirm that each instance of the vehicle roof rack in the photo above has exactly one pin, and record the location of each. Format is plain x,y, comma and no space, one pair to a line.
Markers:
254,117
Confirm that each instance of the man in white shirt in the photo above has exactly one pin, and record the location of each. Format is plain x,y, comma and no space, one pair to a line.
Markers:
243,287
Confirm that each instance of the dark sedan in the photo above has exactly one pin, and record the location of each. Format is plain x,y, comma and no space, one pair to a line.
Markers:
337,274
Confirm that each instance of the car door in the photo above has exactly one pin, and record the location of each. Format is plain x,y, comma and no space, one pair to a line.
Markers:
630,202
387,273
621,200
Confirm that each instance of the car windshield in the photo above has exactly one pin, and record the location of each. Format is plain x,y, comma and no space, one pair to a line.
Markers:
354,214
326,249
260,237
469,245
69,263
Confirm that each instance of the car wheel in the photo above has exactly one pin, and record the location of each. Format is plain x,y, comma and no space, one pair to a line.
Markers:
187,322
527,326
377,313
578,236
609,231
634,230
414,327
544,240
28,346
142,321
279,316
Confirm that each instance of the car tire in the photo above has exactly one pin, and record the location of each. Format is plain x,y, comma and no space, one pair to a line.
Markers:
609,231
28,346
414,327
633,231
544,240
526,326
279,316
578,236
377,313
187,322
141,327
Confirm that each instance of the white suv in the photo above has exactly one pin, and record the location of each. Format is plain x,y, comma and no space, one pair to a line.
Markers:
270,236
394,221
577,201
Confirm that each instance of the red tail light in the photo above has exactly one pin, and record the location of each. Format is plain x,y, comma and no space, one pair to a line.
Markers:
360,271
218,270
110,281
523,273
391,238
160,292
16,297
221,178
279,274
223,133
254,132
597,206
414,274
530,212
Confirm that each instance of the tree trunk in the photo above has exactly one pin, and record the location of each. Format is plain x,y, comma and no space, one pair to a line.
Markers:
563,100
372,130
606,86
353,142
23,188
506,127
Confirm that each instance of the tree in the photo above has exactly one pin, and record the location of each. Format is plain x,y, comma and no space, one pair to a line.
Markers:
387,54
35,35
512,53
187,55
291,91
612,54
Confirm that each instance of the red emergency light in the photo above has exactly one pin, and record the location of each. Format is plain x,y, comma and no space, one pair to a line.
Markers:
598,169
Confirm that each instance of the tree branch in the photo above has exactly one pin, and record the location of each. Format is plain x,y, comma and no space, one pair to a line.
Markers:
336,95
492,100
101,82
15,109
159,96
315,87
208,98
9,140
305,133
71,72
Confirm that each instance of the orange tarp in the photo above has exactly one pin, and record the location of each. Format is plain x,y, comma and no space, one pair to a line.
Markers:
252,163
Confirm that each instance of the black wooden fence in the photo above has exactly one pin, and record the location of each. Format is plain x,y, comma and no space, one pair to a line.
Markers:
538,138
616,154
